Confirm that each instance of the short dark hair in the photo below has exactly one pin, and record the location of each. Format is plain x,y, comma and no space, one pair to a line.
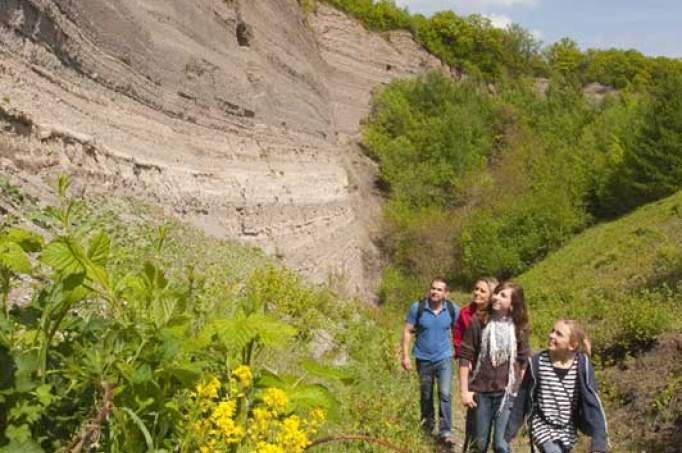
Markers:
440,280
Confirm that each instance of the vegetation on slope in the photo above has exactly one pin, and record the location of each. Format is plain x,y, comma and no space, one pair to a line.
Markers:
489,183
622,277
115,311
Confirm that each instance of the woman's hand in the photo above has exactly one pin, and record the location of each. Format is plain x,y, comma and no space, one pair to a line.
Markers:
468,399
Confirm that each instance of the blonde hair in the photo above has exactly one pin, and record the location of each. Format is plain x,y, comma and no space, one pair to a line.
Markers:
491,282
578,337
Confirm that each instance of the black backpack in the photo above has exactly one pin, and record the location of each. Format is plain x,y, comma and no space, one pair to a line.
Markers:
422,306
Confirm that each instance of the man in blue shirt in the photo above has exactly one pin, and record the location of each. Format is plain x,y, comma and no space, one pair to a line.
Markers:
431,320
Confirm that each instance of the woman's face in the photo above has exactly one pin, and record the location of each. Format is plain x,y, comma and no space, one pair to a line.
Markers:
560,338
502,301
481,293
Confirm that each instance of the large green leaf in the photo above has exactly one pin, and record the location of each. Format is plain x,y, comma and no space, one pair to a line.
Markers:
310,396
72,289
237,332
301,395
98,274
271,332
155,275
13,257
98,252
64,255
27,240
27,364
186,372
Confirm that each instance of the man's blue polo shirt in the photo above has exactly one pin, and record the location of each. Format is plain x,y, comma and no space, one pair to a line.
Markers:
433,341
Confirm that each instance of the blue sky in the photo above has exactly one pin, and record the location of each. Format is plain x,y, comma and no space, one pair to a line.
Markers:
654,27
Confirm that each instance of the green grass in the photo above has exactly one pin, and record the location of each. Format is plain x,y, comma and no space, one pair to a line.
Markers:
621,278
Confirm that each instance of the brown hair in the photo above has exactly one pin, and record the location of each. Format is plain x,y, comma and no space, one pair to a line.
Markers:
519,312
440,280
492,283
578,337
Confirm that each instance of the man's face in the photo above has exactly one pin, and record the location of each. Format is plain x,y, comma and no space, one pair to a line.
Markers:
438,291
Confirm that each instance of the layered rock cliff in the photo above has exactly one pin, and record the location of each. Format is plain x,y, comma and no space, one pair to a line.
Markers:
237,115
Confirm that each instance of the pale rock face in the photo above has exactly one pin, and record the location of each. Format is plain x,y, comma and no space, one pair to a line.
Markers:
239,116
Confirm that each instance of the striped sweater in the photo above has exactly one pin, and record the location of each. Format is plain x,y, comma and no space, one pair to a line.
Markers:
556,404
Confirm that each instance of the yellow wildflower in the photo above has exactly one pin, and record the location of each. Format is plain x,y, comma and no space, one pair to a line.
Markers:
243,374
224,409
275,398
222,419
260,422
210,390
315,419
318,414
264,447
209,447
291,437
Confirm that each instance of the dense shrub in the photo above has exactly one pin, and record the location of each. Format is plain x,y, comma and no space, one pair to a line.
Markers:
430,137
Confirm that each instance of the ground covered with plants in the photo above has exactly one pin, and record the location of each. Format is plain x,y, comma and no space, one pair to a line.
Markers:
554,166
126,330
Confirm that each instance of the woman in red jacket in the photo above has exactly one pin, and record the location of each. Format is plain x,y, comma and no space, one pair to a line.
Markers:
483,291
482,294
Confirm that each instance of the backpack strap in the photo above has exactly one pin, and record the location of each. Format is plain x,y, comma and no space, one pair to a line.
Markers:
452,311
420,311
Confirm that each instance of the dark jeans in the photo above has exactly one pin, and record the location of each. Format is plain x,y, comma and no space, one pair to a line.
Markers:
488,417
441,373
469,429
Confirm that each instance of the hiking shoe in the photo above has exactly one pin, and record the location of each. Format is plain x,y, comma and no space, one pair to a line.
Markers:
448,439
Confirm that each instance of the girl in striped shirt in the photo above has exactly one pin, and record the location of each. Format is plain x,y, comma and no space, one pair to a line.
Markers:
559,396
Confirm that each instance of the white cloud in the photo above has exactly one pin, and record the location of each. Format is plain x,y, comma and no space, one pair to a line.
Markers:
538,34
499,20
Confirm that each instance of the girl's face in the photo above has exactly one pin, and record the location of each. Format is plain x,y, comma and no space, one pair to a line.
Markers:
560,338
481,293
502,302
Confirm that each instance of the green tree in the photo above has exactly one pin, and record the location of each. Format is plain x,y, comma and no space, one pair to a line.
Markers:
565,57
653,166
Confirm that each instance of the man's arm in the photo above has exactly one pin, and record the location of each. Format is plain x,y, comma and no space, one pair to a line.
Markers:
405,359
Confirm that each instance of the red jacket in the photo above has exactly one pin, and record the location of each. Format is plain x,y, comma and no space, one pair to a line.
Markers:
465,315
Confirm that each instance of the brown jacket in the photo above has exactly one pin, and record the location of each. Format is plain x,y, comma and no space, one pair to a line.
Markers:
489,378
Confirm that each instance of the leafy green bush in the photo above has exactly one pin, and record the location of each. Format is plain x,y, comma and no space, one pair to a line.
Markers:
430,136
380,15
115,356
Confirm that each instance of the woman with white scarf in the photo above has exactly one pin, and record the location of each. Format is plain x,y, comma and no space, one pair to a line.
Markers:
496,343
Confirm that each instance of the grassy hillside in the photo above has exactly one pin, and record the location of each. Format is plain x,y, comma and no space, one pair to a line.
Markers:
621,277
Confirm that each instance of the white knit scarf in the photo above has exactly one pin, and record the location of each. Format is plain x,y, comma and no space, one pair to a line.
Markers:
498,341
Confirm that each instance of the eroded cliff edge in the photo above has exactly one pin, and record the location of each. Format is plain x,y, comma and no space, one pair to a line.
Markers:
239,116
